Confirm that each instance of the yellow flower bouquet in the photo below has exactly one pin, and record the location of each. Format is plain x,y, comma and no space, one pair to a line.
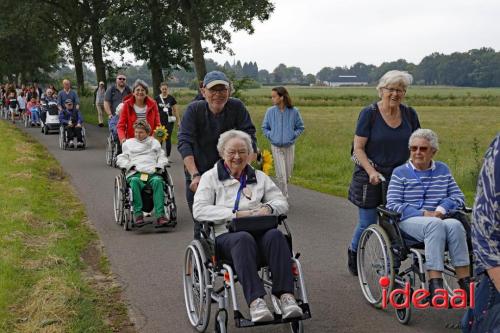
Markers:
160,133
264,161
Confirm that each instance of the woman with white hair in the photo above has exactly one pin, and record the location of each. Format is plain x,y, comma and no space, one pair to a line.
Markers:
380,145
233,189
424,192
137,106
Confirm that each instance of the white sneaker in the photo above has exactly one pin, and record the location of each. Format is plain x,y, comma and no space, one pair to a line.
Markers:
289,306
259,311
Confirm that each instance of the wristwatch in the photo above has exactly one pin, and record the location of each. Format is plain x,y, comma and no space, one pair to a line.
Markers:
193,176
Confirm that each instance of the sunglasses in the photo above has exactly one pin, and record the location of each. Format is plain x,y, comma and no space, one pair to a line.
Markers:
423,149
121,78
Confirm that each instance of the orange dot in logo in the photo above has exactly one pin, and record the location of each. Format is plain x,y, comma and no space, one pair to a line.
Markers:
384,282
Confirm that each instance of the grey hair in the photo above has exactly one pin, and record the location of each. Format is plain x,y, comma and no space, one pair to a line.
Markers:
231,134
427,134
141,83
404,79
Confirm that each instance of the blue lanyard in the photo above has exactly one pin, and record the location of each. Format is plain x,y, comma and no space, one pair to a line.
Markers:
243,183
421,183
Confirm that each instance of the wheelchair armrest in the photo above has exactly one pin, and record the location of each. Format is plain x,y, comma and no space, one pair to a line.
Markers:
281,218
388,212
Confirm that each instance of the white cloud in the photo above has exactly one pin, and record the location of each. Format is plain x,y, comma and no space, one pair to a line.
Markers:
317,33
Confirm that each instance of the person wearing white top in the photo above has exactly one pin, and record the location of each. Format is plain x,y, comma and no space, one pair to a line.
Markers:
232,188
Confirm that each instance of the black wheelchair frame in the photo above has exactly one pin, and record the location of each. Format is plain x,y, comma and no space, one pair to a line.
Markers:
201,269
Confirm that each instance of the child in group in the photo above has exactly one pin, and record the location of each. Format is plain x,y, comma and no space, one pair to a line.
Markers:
13,105
72,120
33,108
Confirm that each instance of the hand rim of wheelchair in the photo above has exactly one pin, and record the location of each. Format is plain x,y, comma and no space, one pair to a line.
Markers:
382,240
227,292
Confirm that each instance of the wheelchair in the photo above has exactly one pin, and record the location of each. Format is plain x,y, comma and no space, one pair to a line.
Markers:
64,142
208,280
382,251
123,201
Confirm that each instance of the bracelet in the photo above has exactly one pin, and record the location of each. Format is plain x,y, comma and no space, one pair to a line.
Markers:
270,207
193,176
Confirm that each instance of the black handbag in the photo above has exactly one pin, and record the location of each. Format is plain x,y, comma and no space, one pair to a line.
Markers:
254,224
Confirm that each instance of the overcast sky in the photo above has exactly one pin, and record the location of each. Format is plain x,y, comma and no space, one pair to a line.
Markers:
312,34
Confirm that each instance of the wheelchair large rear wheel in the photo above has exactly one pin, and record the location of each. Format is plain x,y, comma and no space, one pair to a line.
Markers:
170,206
375,261
118,200
197,296
297,326
109,152
62,141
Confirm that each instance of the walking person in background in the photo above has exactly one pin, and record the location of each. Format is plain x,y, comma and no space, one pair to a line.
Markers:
99,101
67,93
169,115
380,144
282,125
115,95
485,316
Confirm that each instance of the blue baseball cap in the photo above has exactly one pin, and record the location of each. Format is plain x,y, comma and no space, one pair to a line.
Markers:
214,78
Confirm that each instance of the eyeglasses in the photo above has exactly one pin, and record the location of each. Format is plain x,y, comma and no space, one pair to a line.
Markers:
423,149
121,78
218,91
233,153
394,90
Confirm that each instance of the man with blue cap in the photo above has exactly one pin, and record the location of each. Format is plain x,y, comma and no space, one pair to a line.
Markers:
202,124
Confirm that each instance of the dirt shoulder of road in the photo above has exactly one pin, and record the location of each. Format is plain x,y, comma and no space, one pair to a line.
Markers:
54,275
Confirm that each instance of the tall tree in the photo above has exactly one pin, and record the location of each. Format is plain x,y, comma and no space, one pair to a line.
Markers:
152,33
206,20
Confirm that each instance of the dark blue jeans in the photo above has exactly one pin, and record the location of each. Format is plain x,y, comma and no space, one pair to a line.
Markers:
367,216
190,200
485,317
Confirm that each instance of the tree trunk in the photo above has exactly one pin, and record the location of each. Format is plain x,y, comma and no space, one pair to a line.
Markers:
77,61
195,37
154,57
100,68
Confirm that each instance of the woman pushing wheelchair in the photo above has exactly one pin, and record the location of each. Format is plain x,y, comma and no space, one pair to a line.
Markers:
144,160
233,189
425,193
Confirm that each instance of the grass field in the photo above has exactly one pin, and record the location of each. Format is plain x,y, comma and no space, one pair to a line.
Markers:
45,285
466,120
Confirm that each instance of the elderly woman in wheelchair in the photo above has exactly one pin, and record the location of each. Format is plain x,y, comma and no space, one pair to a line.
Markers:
144,160
425,193
234,192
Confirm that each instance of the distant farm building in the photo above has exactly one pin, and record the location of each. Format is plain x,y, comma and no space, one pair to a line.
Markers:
346,80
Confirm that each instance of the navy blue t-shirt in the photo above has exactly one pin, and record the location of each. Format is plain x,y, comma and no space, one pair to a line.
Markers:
386,146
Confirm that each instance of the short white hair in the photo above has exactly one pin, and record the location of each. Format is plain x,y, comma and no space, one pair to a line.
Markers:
232,134
401,78
427,134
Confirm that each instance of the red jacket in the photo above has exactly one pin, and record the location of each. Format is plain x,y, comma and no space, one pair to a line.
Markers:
125,125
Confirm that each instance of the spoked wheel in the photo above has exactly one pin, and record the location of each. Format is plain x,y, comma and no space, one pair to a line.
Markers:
61,139
26,120
118,201
171,207
196,295
127,211
109,152
221,321
374,261
403,315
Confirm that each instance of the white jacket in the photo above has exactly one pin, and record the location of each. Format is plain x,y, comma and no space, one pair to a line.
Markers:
214,199
145,156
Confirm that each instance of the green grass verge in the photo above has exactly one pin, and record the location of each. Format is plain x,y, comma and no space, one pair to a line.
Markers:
466,120
45,285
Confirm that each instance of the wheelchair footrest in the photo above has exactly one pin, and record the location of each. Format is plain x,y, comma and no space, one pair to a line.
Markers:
241,321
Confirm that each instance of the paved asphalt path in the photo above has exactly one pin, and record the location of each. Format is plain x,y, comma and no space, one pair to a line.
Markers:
149,263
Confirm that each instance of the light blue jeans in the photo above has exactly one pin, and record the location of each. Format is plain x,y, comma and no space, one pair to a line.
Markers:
367,216
436,234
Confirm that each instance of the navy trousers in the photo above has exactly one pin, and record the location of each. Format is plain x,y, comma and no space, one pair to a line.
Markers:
246,252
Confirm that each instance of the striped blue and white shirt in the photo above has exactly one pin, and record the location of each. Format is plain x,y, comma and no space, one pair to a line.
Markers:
412,191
